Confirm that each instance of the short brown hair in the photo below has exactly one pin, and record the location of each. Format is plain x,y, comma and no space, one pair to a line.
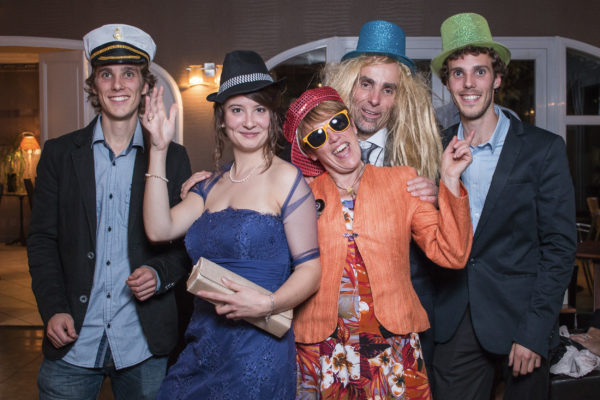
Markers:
90,85
269,97
498,65
324,110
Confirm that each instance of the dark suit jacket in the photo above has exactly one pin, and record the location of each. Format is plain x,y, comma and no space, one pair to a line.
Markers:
62,238
523,248
421,276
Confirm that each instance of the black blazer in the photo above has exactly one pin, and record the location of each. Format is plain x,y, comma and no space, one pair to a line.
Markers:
523,248
61,244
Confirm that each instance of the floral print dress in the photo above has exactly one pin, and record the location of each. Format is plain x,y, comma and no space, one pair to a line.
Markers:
360,360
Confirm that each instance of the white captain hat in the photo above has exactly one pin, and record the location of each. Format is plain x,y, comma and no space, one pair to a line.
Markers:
119,44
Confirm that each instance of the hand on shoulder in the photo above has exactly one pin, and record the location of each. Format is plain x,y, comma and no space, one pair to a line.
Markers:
423,188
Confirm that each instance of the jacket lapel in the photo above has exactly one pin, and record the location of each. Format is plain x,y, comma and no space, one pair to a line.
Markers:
508,157
83,165
137,188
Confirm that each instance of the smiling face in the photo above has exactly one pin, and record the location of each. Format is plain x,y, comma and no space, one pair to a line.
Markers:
246,123
119,88
471,83
341,153
373,97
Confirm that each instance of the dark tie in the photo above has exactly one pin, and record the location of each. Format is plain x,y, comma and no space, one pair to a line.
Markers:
366,149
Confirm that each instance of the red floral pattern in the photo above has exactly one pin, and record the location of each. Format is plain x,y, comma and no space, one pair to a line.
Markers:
357,361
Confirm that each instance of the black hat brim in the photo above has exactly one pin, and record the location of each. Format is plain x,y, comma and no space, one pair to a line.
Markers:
242,88
118,53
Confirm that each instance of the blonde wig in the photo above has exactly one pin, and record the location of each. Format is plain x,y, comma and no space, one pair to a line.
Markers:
413,137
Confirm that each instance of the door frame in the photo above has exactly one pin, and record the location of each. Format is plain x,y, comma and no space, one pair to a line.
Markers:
69,44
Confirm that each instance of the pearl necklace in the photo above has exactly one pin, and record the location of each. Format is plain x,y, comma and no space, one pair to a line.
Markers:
246,177
350,189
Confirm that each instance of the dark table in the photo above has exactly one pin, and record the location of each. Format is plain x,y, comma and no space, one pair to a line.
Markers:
590,250
20,195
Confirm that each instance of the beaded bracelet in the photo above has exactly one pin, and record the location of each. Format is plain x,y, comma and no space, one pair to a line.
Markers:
162,178
268,316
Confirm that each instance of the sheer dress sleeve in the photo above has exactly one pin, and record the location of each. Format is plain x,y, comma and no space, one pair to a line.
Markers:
203,187
299,216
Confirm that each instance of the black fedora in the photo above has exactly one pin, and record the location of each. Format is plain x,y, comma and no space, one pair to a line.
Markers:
244,71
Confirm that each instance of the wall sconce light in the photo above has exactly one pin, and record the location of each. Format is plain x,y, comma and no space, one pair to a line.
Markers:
208,74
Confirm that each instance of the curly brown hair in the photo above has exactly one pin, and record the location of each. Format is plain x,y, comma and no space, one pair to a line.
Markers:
90,86
498,65
269,97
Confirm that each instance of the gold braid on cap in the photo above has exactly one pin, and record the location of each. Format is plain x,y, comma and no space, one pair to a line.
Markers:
119,57
119,46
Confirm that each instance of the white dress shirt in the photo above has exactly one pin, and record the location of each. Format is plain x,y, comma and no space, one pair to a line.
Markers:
377,155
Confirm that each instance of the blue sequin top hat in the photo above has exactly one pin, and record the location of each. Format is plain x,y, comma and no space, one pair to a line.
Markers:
382,37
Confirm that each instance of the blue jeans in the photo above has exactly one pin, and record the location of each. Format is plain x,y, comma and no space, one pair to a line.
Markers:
59,380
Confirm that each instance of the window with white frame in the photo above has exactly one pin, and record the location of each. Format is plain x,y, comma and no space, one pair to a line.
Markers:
583,123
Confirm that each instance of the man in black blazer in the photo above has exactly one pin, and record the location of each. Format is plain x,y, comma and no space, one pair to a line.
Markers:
499,314
103,290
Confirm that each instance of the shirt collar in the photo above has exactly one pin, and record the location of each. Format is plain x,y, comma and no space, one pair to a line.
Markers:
378,138
136,141
497,139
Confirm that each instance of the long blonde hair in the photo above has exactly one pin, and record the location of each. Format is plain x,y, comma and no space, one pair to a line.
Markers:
414,137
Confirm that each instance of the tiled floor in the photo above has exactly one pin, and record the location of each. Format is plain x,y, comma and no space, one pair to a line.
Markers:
21,329
17,303
20,358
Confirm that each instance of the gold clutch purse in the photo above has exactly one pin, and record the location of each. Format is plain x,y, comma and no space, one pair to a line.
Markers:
206,275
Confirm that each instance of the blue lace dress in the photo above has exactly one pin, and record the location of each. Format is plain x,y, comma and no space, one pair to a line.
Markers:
226,359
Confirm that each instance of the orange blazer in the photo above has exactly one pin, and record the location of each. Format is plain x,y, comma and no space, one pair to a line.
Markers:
385,217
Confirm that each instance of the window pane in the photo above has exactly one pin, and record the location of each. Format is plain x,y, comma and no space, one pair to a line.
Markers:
19,102
517,90
583,149
424,69
583,83
301,72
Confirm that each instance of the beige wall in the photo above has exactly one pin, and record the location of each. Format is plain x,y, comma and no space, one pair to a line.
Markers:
197,31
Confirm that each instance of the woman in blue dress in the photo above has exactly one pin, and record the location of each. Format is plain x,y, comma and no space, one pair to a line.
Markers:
255,216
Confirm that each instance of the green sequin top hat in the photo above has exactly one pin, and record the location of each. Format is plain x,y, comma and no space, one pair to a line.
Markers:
462,30
382,37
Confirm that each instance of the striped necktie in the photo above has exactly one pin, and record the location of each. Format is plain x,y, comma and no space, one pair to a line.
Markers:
366,148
